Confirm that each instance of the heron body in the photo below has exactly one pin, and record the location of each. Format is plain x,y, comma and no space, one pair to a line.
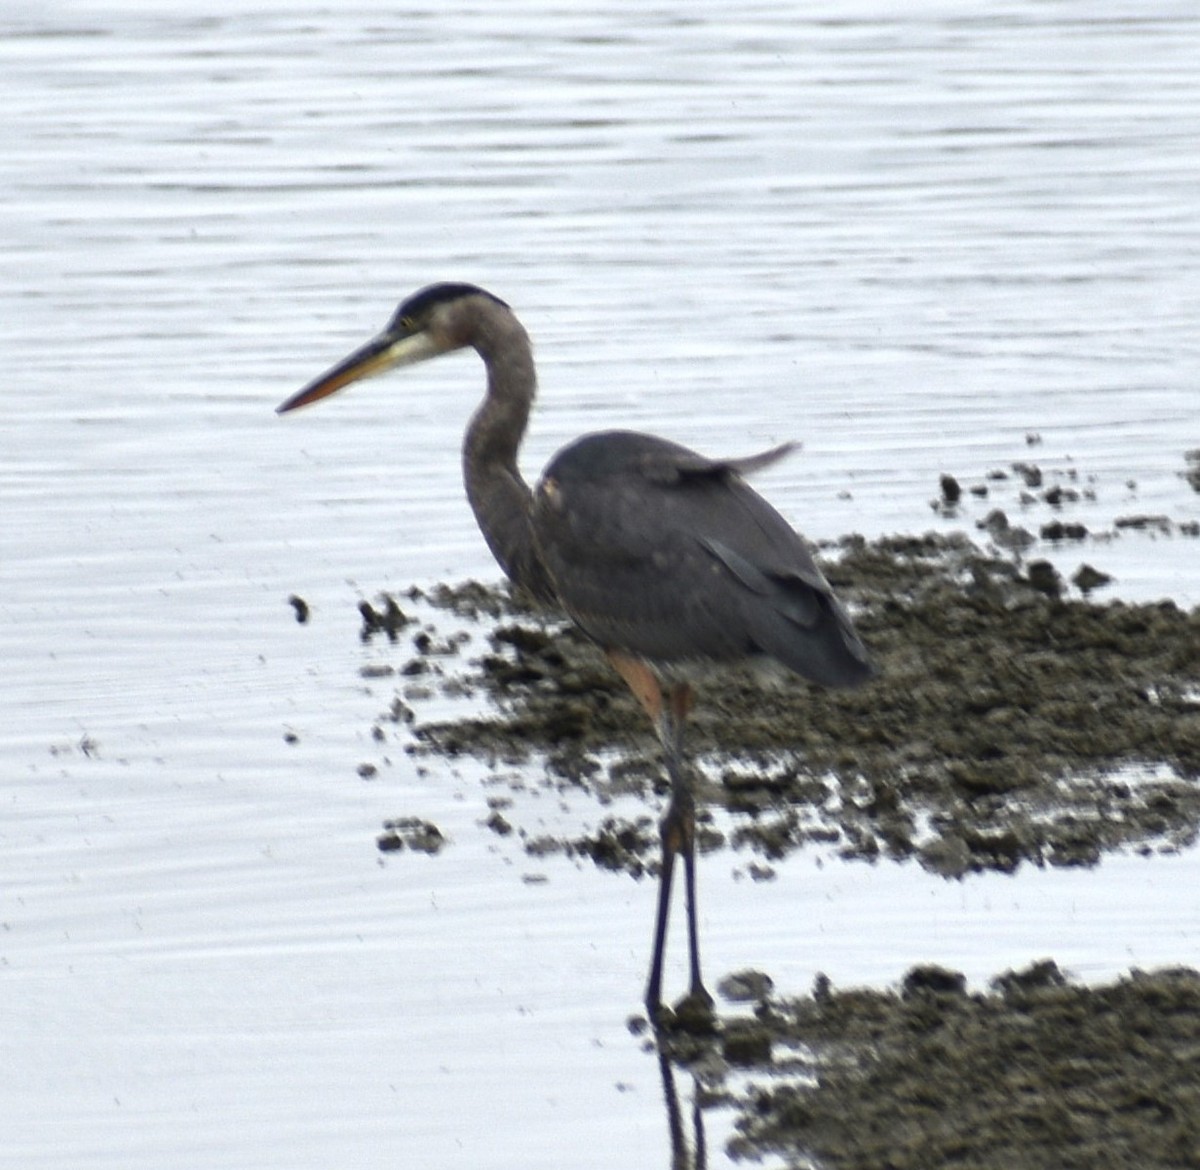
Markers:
656,550
661,556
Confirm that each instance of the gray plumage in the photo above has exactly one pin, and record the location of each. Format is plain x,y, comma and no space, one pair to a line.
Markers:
655,549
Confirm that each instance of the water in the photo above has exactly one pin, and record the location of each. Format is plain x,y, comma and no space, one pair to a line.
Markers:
908,238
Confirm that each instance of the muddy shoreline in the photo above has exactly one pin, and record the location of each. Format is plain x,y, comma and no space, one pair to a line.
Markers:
1035,1072
1008,725
1019,719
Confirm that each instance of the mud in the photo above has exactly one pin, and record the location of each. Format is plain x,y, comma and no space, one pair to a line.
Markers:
1010,723
413,833
1036,1072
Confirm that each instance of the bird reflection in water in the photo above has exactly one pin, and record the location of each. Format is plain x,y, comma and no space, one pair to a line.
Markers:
683,1157
663,557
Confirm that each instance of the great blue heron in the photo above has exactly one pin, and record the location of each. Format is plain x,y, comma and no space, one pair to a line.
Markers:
661,556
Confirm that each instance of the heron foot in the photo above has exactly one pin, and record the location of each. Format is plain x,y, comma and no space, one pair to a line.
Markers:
693,1015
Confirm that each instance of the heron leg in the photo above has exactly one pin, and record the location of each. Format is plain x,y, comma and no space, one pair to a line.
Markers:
644,685
682,811
654,983
642,681
678,827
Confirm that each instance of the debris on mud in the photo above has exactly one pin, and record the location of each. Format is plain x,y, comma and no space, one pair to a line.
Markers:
389,619
1054,490
1010,722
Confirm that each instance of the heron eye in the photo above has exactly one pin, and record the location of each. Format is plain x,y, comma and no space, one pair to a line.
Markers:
407,323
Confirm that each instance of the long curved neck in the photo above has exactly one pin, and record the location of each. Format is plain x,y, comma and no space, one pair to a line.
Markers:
499,497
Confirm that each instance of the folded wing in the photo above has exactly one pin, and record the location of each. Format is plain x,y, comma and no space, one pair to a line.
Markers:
661,552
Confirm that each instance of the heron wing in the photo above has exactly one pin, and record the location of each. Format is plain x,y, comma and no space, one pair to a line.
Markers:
664,553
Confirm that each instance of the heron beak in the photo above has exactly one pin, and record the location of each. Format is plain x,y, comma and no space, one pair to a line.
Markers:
390,349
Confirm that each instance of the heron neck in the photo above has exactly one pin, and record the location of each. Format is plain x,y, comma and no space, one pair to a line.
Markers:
499,497
498,425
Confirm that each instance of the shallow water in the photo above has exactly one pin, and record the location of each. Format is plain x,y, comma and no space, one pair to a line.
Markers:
909,241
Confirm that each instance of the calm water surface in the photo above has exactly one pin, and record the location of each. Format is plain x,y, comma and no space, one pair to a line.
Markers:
909,237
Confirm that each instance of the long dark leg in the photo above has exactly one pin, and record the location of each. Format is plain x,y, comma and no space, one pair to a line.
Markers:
682,812
654,983
644,684
678,828
689,870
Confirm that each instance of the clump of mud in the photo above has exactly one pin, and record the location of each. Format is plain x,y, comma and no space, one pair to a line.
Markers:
1038,1072
413,833
1050,499
1009,724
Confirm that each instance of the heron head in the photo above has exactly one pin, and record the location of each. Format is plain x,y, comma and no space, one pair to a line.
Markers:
433,321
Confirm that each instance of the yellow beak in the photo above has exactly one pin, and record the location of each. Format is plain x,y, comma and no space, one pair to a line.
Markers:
380,354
